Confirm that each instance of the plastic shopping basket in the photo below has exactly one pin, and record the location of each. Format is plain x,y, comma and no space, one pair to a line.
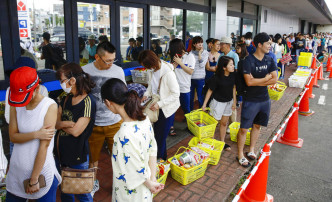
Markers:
186,176
234,129
215,153
276,95
199,115
162,180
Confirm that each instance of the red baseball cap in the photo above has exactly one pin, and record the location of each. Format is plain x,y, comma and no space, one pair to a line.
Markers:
23,82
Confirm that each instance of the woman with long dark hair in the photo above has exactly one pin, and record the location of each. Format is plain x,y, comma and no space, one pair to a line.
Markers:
76,117
163,83
134,149
222,86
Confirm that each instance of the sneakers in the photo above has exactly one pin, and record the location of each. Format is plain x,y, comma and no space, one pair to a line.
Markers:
95,188
228,131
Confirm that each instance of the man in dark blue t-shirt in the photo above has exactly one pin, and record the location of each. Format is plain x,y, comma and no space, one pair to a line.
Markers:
259,71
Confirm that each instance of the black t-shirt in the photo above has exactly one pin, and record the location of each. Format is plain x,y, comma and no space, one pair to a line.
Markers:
74,150
222,87
258,69
136,52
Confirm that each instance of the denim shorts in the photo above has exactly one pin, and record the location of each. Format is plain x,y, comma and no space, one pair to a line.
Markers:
255,113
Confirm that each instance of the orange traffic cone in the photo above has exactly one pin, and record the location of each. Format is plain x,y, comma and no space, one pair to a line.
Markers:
320,73
313,64
311,84
256,189
330,76
329,64
290,136
304,105
315,80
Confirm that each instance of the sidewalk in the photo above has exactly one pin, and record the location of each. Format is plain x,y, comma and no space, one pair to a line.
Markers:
219,180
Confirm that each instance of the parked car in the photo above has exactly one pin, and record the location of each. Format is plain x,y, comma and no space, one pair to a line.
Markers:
165,39
59,40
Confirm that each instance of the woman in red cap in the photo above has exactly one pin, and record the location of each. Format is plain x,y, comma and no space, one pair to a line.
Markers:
32,173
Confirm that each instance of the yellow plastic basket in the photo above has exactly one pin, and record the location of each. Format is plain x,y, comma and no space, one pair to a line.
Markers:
276,95
187,176
162,180
234,129
203,117
215,153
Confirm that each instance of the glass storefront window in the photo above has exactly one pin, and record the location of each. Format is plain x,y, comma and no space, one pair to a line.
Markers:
200,2
197,25
250,8
131,32
36,17
233,26
93,23
249,25
234,5
164,22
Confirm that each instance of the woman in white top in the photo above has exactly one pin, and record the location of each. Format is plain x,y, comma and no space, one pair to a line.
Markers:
31,116
163,83
134,150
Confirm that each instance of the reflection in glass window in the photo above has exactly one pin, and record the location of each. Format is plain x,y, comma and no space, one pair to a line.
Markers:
234,5
131,32
34,18
200,2
249,25
2,76
165,23
93,27
197,23
233,25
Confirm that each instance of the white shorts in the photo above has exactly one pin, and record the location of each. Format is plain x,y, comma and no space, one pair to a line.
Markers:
219,109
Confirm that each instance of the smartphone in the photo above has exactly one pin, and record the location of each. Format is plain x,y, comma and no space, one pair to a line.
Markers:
41,180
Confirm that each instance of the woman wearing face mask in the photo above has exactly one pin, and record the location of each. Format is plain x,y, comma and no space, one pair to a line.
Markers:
198,76
76,116
31,129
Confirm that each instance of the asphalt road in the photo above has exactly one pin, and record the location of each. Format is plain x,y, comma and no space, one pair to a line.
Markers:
305,174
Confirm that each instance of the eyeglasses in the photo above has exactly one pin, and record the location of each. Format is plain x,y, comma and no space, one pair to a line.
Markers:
61,81
107,63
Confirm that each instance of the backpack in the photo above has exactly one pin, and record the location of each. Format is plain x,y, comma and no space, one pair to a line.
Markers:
56,54
241,86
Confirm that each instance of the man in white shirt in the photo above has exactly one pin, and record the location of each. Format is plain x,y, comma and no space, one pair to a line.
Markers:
106,123
29,45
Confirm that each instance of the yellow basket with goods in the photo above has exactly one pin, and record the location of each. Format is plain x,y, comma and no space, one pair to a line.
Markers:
201,124
277,90
234,129
308,54
279,72
163,169
212,146
304,61
183,169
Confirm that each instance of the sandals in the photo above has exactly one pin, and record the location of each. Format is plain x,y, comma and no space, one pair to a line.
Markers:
251,155
227,147
172,131
243,161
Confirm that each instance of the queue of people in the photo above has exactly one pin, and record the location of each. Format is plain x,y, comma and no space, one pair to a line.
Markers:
99,106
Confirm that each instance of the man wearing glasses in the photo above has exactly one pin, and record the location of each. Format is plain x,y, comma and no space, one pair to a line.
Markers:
106,123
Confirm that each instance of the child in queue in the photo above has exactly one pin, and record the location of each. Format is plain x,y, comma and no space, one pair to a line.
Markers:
222,86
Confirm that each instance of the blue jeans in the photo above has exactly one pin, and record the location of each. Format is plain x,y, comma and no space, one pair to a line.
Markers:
185,102
71,197
161,130
50,196
198,85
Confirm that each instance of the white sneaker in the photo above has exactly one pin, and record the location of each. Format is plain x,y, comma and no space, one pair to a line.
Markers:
228,131
95,188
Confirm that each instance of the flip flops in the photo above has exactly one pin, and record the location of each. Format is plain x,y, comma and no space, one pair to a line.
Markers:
251,155
243,161
227,147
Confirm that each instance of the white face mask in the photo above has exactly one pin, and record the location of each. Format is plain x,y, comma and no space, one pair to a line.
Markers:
248,42
64,88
